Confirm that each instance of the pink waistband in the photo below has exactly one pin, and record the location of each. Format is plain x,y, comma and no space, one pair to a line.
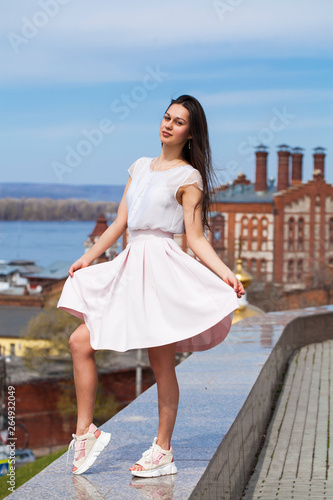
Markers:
143,234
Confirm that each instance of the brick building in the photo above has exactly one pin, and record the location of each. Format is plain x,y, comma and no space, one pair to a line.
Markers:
286,229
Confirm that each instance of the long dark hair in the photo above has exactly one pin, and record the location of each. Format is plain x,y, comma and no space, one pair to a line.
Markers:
199,154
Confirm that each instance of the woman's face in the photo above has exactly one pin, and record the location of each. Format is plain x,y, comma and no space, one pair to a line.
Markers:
175,126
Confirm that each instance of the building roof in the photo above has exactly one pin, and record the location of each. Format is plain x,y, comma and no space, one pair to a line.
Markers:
25,266
57,270
100,227
5,269
243,193
14,319
21,262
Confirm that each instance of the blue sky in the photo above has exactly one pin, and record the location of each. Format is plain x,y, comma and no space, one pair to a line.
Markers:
84,84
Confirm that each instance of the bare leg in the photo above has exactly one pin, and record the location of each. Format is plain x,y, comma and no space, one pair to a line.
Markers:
85,377
162,360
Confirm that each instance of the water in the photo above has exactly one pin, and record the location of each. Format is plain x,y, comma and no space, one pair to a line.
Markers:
44,242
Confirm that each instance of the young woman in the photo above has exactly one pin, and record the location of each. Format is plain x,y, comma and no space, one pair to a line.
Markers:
152,295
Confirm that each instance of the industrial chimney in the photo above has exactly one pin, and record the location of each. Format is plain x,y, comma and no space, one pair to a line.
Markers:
296,166
283,167
319,160
261,169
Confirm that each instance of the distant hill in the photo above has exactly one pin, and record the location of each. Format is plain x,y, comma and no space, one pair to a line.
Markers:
61,191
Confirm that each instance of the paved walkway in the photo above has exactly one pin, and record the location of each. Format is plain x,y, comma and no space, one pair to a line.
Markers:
296,461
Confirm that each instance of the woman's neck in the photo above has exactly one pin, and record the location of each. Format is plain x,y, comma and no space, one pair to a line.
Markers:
169,154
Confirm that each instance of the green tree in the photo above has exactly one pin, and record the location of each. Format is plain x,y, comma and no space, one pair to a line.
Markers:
105,407
55,326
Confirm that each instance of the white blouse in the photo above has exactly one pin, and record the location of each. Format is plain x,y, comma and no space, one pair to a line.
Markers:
151,197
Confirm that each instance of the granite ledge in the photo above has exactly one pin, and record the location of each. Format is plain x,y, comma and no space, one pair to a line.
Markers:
225,398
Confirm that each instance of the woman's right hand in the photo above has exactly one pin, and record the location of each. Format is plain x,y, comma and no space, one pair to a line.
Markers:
78,264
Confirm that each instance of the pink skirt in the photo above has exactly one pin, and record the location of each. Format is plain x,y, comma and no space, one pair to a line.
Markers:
151,294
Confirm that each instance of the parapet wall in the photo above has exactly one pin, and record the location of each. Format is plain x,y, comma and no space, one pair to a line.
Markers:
229,470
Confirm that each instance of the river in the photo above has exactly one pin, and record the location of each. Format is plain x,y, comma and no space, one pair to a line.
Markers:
44,242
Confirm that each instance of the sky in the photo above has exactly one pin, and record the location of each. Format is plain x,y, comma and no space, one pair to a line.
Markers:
84,84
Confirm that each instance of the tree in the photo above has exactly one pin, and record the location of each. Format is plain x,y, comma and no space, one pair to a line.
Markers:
48,335
105,407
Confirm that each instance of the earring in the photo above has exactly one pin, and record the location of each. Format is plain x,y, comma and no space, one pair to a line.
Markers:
189,144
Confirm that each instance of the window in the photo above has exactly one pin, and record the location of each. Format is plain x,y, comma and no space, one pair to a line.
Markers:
254,234
253,266
300,234
263,268
290,273
217,235
299,274
263,234
217,224
244,233
291,228
330,237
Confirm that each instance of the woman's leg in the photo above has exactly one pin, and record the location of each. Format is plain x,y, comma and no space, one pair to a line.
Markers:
85,377
162,360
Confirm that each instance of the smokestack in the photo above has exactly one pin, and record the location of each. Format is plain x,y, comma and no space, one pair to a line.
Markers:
296,166
319,160
283,167
261,169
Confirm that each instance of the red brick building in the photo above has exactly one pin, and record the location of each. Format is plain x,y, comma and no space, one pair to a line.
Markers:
286,229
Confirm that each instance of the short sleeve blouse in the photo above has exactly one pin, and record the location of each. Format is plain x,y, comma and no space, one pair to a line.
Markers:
151,197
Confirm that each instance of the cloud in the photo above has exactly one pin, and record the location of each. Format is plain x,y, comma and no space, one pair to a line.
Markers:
53,132
313,123
103,23
236,124
271,96
105,41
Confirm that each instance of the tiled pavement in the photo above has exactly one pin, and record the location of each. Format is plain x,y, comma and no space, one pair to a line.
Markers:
296,461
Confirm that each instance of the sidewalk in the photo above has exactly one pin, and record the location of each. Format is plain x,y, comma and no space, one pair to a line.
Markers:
296,461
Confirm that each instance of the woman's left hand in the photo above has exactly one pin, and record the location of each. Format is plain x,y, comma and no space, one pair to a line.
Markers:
231,279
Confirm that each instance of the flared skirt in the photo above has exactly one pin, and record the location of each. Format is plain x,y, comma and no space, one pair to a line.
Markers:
151,294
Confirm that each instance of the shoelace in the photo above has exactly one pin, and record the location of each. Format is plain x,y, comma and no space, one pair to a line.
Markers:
71,445
150,452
